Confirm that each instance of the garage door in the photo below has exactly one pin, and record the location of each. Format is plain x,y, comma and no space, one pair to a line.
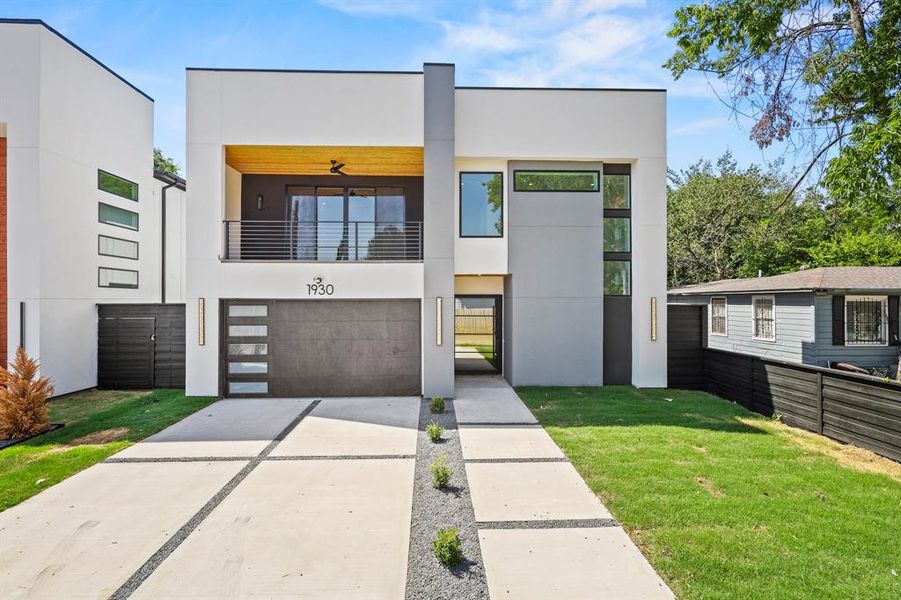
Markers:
287,348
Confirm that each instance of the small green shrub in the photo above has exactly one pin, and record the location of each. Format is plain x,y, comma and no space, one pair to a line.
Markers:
434,431
436,405
441,473
447,547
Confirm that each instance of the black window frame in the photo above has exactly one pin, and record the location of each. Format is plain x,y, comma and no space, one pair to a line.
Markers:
460,205
112,237
119,287
112,224
134,183
596,172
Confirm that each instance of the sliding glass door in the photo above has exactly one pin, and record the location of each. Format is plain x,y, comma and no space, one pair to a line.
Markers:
346,223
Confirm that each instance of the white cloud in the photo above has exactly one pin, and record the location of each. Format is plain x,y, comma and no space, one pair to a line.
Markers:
383,8
701,126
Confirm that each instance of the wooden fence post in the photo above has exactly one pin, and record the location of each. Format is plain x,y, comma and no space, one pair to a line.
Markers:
820,403
751,383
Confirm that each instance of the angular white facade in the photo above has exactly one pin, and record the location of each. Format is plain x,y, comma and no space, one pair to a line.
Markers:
262,142
66,117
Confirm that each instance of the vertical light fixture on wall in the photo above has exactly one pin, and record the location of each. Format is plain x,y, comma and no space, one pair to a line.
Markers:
201,322
438,321
653,319
259,201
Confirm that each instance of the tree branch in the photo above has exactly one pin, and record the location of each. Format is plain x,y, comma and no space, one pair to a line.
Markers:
810,166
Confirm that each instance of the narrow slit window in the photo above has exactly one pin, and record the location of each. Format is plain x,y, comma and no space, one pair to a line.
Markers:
117,278
111,246
113,184
113,215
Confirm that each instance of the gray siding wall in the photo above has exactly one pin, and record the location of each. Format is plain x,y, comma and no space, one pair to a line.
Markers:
554,299
794,329
862,356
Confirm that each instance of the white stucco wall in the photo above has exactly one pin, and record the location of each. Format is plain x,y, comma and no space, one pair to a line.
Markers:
587,125
67,117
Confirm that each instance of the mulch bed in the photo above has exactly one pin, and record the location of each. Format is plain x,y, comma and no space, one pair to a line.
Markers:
51,427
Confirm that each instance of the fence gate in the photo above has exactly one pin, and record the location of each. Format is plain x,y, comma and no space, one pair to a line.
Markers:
140,346
686,330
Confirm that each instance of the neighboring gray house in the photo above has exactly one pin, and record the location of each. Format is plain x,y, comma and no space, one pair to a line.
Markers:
815,316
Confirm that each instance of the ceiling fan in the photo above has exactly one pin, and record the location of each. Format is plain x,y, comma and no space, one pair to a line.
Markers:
336,167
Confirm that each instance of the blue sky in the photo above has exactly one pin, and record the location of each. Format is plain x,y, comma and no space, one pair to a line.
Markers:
593,43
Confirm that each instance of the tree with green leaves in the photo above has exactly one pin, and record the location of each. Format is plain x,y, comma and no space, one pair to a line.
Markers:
727,222
825,76
164,163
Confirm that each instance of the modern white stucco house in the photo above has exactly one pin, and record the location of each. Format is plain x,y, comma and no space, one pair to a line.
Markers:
82,223
340,221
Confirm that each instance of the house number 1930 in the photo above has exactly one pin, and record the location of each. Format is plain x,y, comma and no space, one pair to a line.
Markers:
317,288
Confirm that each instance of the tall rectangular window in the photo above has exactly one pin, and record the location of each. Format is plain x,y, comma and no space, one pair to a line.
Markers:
556,181
117,278
119,186
866,320
112,246
617,250
764,326
718,316
481,205
113,215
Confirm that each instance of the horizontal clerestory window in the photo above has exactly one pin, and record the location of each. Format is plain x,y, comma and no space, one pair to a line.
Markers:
113,246
117,278
119,186
113,215
556,181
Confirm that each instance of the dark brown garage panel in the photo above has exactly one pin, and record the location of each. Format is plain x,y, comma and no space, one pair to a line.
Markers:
321,348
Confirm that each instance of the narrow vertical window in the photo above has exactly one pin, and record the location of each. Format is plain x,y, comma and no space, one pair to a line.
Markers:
617,204
718,316
764,309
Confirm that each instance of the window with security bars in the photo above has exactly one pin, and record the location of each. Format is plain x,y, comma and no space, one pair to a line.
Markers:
764,318
866,320
718,316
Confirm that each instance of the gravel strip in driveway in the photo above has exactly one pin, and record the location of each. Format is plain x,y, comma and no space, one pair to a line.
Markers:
147,569
434,509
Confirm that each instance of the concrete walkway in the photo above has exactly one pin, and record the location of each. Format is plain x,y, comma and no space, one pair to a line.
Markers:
312,498
543,533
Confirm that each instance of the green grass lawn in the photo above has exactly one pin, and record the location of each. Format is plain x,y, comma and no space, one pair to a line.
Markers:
729,504
486,350
98,424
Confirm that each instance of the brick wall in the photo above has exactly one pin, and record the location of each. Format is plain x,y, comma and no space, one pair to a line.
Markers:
3,262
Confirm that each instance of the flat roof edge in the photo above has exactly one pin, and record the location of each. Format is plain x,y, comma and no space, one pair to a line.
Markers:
561,89
327,71
77,47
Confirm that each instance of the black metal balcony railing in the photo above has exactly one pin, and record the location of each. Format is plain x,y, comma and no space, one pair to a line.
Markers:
323,240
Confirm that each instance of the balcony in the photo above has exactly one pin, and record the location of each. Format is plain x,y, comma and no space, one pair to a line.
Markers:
322,241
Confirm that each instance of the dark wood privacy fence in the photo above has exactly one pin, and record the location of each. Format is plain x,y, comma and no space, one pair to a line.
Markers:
855,409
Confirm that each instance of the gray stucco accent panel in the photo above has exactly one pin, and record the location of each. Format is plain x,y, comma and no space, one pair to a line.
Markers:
554,299
438,228
862,356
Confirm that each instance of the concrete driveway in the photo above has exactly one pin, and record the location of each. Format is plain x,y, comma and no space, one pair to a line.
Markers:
313,498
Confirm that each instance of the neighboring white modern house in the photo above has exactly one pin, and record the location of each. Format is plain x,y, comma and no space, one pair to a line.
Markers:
344,225
80,207
816,316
